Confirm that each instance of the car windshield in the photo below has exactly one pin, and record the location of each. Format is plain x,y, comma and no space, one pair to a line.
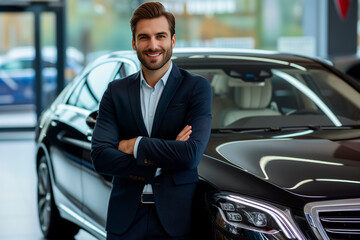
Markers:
269,95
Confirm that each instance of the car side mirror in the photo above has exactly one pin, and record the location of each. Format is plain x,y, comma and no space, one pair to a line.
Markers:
91,119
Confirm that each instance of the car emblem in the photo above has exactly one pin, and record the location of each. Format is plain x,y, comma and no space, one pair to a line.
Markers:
343,7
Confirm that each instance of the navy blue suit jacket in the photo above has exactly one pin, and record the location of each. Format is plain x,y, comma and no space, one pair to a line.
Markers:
186,100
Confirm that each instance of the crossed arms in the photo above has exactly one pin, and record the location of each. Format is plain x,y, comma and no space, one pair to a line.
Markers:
127,146
112,155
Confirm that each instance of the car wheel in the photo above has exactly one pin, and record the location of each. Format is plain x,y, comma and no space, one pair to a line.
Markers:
51,223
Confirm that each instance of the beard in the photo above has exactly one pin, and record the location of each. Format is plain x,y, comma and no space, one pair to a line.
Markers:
157,63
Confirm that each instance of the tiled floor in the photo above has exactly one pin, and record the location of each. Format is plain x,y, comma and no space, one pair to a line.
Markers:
18,214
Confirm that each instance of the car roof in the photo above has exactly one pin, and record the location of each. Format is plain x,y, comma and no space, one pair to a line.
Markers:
256,53
182,54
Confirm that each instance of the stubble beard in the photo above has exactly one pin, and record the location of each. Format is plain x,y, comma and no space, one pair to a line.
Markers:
151,66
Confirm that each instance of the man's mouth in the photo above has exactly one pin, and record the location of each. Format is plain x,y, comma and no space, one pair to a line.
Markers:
153,55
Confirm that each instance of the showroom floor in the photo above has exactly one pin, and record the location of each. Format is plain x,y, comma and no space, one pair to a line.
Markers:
18,214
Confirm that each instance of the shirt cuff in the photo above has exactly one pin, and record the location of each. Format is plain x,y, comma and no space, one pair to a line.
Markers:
136,145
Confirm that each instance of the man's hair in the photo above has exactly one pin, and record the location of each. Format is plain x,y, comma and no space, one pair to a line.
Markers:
151,10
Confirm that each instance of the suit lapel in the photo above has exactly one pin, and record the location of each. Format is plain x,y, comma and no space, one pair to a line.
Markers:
134,97
170,89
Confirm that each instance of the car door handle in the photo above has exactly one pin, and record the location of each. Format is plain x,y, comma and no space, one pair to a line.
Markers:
55,120
89,135
54,123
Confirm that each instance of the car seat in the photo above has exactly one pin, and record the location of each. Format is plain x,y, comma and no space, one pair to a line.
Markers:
251,100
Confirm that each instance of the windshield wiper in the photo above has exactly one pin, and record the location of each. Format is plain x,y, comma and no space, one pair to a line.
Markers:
245,130
281,129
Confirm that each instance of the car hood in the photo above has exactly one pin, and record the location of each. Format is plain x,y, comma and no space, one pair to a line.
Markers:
321,164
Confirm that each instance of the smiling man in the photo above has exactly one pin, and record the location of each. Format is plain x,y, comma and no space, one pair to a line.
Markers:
153,46
150,134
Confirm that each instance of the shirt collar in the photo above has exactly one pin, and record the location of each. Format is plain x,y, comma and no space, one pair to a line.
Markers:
163,79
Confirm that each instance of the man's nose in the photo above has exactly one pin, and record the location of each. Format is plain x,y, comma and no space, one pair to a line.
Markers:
152,44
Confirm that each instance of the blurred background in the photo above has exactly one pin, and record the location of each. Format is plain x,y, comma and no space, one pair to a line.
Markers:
45,43
92,28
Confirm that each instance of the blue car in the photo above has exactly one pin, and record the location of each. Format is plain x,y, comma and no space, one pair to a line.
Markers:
17,75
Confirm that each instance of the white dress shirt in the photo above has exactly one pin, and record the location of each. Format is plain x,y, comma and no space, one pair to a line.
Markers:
149,99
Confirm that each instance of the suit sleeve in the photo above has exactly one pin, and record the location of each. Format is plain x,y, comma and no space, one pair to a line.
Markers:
106,157
178,155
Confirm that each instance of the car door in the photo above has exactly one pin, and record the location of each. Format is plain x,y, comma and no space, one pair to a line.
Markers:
66,136
97,187
69,131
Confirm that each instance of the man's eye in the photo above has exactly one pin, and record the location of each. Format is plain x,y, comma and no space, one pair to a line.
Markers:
161,36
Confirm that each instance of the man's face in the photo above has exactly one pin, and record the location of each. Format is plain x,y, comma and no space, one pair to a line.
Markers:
153,42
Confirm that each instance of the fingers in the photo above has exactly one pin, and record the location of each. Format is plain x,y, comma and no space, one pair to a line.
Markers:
184,134
127,146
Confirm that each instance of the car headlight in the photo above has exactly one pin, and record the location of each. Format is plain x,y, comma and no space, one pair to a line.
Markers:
243,216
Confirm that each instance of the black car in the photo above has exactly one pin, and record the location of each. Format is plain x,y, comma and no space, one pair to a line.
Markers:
283,160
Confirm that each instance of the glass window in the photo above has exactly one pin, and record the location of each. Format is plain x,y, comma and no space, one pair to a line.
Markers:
275,95
75,94
121,73
88,94
99,78
47,64
199,23
86,98
126,69
17,65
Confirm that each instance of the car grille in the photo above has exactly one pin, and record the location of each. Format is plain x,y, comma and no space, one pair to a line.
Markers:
341,224
335,220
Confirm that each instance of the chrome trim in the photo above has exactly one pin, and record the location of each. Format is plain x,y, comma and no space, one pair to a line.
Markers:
72,141
341,220
82,220
313,209
342,231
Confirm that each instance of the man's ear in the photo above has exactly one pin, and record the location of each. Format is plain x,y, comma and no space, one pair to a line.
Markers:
173,41
133,44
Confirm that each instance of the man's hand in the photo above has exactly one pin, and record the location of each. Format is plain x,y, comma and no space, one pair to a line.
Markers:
184,134
127,146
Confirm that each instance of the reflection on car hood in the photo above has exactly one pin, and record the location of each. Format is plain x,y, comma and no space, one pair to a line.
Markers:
325,164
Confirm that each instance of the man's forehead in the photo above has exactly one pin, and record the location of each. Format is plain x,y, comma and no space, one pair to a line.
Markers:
152,26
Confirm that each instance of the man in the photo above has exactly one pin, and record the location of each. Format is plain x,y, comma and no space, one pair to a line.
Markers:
150,134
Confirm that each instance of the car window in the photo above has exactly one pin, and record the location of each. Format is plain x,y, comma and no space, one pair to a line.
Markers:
284,95
279,97
125,70
25,64
121,73
88,93
17,64
47,64
75,94
130,69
